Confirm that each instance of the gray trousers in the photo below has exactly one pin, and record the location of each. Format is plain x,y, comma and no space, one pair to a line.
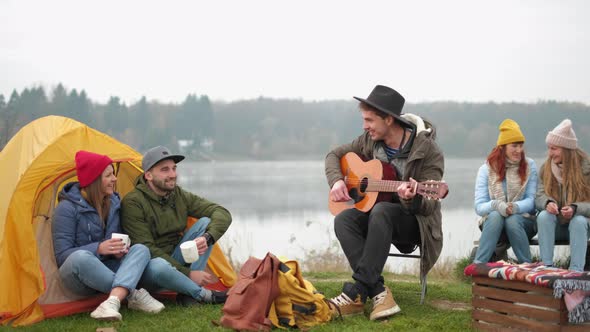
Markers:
366,239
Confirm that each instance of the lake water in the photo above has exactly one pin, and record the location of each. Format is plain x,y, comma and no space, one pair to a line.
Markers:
281,207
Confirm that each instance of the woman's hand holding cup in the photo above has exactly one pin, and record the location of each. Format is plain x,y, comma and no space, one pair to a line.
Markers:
115,246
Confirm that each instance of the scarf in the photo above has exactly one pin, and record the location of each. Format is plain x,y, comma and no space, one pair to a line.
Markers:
556,170
514,189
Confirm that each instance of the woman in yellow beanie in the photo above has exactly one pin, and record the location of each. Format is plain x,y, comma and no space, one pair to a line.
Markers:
563,196
505,195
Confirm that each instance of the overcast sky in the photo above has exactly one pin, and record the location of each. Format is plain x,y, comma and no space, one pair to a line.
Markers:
315,50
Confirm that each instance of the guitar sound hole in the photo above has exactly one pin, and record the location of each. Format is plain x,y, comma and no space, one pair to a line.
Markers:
355,195
364,184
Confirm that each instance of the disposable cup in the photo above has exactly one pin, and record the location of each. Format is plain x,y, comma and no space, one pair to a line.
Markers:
189,251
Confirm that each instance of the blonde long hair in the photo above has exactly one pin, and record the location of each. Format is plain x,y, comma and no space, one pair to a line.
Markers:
574,182
92,195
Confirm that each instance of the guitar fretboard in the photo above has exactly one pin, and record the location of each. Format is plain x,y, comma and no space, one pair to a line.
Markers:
389,186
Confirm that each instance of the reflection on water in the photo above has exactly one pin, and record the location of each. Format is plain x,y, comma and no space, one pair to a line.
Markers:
281,206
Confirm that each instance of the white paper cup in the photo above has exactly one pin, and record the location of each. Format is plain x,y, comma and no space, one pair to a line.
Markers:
123,237
189,251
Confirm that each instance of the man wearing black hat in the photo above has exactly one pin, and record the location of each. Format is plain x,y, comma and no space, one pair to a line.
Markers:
155,213
405,142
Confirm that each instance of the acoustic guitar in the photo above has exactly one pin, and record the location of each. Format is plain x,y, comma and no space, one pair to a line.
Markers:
375,181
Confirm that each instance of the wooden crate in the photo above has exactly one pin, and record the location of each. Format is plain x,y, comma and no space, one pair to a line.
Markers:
500,305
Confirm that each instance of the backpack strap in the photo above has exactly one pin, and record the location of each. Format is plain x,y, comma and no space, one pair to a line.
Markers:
284,268
304,310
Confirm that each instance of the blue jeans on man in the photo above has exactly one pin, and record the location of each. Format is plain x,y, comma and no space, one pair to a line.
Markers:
518,229
160,274
576,231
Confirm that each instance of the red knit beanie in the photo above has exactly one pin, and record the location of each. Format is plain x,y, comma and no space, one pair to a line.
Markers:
90,166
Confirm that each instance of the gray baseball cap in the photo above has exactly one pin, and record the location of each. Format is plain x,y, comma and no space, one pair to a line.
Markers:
157,154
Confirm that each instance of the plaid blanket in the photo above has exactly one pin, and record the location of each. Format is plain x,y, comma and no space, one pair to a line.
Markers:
574,287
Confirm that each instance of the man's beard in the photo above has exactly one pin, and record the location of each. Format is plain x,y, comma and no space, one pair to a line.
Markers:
160,185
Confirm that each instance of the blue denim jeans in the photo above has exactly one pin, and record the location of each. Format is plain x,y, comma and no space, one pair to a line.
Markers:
518,229
576,232
84,274
160,274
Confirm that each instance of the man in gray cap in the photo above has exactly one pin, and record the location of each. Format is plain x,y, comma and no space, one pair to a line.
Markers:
155,214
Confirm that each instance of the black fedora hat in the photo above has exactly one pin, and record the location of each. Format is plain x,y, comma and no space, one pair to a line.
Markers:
387,100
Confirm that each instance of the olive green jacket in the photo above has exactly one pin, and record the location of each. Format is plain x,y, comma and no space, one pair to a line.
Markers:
159,223
425,162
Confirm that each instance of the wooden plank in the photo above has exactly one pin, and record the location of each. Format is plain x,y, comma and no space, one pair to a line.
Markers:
535,242
516,296
512,284
501,305
551,316
490,326
514,321
576,327
564,320
485,326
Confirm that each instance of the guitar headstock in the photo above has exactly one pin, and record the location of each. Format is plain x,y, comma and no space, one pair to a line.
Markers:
433,189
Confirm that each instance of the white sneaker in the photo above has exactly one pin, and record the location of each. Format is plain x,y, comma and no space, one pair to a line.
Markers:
142,300
108,310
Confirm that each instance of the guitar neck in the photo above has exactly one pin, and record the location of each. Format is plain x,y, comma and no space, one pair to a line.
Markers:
388,186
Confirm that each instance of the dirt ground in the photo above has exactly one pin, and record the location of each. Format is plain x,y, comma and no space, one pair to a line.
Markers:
449,305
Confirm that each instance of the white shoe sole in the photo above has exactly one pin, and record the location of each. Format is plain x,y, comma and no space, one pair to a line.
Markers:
154,311
386,313
109,318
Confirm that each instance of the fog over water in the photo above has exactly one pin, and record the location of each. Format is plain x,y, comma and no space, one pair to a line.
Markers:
281,207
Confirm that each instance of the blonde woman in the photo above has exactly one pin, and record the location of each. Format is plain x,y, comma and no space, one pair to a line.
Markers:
563,196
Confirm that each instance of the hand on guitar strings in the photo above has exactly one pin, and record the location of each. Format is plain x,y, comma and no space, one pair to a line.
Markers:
339,192
407,190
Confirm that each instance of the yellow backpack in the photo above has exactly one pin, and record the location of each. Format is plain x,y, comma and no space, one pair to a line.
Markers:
299,304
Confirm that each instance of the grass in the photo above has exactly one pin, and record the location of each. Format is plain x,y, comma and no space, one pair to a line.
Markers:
438,313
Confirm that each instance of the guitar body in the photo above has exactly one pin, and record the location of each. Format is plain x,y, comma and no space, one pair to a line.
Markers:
357,174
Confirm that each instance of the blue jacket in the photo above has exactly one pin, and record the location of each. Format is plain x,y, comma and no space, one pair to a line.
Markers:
483,202
77,226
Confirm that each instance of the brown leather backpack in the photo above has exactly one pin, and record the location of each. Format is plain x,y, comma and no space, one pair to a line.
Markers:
249,300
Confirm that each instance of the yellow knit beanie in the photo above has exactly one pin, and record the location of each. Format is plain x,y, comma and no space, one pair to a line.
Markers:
509,133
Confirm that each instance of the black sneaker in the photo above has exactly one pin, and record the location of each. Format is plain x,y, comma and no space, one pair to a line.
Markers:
216,297
213,297
186,300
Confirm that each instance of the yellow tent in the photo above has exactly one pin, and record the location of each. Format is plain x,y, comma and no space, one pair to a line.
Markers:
36,163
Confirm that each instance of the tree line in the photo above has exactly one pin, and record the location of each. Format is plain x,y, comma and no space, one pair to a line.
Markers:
266,128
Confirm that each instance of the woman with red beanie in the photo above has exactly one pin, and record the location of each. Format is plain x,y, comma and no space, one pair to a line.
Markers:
89,260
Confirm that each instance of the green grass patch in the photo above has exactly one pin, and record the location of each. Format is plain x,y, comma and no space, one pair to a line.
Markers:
447,308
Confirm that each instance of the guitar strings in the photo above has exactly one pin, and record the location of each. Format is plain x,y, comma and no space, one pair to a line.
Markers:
393,182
